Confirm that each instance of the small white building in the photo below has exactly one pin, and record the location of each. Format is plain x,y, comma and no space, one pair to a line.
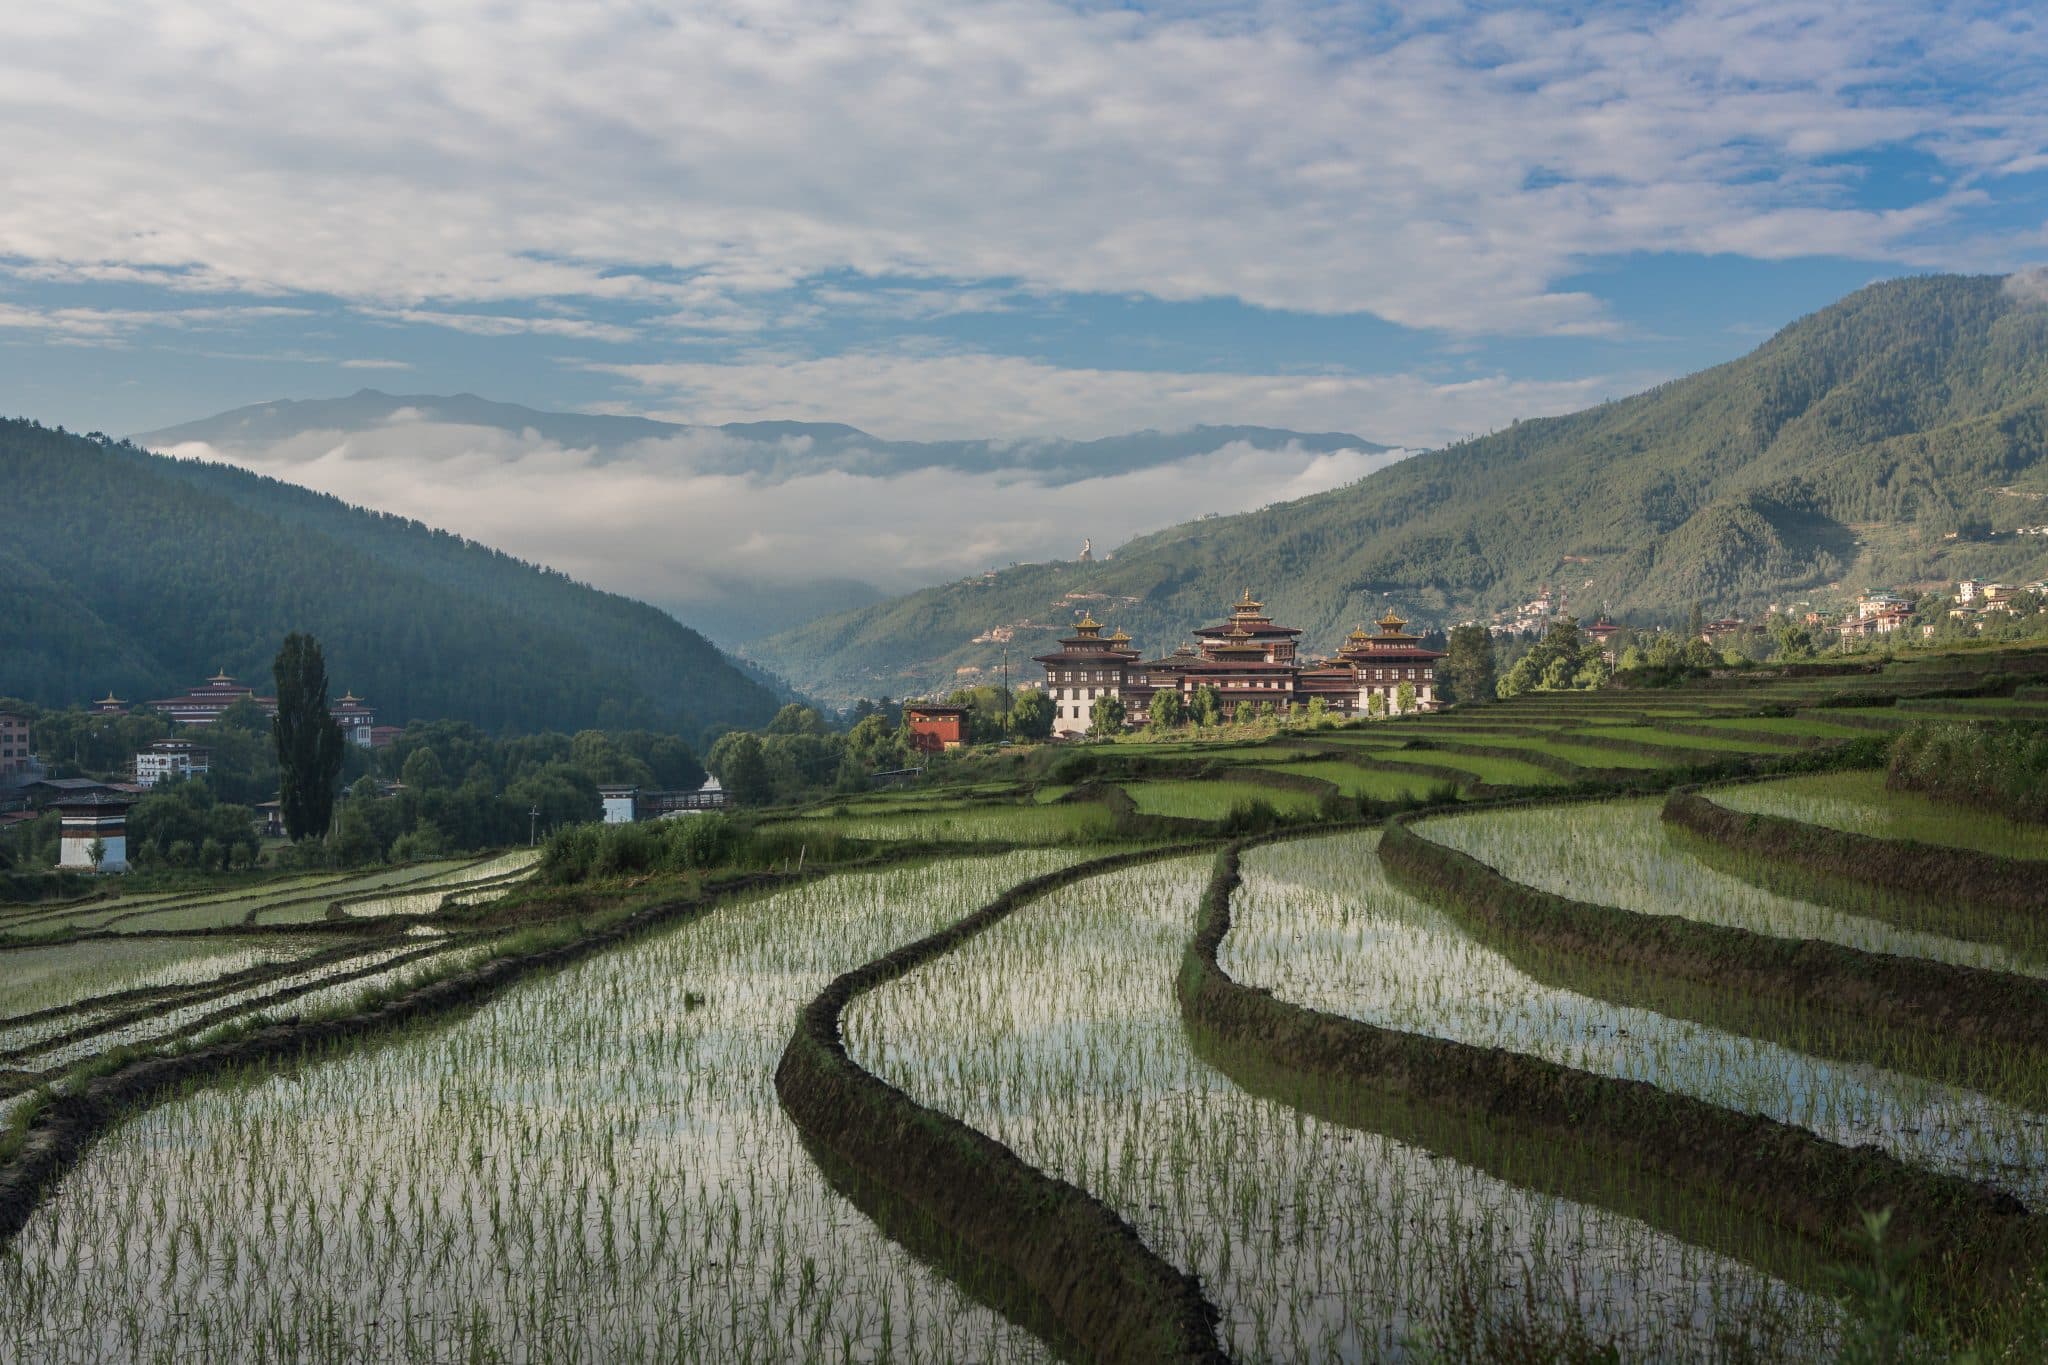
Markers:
623,805
87,821
168,759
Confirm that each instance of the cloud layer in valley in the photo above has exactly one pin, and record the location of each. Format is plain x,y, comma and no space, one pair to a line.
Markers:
665,519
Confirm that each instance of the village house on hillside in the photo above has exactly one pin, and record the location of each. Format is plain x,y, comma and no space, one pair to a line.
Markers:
1244,659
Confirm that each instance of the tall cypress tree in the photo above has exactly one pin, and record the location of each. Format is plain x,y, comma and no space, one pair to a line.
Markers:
308,740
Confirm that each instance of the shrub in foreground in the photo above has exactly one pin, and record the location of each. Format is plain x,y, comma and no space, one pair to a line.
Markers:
1993,767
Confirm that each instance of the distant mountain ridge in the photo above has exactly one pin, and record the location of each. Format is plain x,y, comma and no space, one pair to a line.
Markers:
767,449
143,574
1837,455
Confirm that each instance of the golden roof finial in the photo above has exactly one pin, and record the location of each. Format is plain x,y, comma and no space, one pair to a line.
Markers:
1088,622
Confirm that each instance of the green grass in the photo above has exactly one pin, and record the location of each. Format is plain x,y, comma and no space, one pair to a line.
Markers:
1859,803
1071,822
1212,800
1499,772
1355,779
1733,744
1804,727
1585,755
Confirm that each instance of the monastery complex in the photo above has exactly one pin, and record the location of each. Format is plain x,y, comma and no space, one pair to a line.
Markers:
1247,658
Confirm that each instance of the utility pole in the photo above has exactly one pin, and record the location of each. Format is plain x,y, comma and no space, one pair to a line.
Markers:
1007,698
533,827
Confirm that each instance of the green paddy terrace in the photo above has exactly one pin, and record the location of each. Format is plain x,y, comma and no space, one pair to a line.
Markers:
567,1136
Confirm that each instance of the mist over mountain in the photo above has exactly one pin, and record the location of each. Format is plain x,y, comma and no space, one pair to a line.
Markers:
1842,454
772,450
750,528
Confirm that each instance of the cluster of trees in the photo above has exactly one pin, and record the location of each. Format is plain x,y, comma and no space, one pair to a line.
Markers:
1563,660
798,754
447,787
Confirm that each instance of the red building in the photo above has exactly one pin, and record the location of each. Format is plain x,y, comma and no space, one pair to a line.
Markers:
14,752
1246,660
934,729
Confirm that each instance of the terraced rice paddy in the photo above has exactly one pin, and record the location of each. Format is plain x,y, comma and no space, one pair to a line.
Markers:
177,1020
589,1162
291,900
1213,800
34,979
1057,1033
1498,772
591,1167
1357,779
1318,923
1618,853
1067,822
1859,803
1708,745
492,875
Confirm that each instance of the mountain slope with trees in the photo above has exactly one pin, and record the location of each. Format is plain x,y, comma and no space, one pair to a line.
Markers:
141,574
1885,440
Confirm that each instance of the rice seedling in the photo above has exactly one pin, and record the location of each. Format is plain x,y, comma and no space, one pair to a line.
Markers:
35,979
1355,779
1801,727
1213,800
177,1020
1618,853
590,1167
1072,822
1709,745
494,876
1057,1032
1859,803
1318,923
1498,772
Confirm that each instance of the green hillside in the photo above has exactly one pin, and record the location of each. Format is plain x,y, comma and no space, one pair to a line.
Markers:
130,571
1835,457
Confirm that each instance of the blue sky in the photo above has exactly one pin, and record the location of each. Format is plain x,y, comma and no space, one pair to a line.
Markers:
951,219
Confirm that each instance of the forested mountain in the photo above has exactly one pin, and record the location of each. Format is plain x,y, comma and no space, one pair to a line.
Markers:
1837,456
142,574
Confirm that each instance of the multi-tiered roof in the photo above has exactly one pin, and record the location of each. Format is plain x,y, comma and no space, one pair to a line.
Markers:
1088,646
1393,644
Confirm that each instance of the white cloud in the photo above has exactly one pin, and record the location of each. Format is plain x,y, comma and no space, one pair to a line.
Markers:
966,396
1442,171
2028,286
108,326
620,525
500,325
